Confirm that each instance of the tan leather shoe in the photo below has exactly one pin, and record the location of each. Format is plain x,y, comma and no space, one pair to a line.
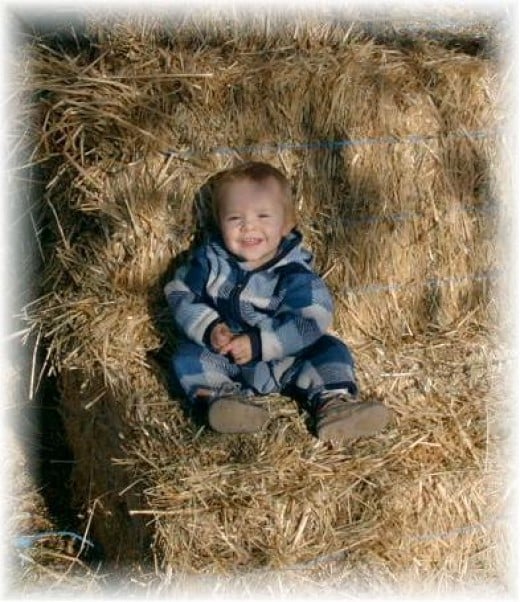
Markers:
341,418
234,414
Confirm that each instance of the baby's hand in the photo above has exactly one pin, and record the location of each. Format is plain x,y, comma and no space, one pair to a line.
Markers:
220,336
240,349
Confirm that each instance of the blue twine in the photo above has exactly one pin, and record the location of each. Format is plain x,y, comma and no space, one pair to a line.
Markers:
342,554
460,530
328,144
491,274
491,207
26,541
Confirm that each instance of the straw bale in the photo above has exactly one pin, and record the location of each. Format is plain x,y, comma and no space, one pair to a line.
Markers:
360,91
129,135
399,496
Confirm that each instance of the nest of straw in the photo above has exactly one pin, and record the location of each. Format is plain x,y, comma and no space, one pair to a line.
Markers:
402,219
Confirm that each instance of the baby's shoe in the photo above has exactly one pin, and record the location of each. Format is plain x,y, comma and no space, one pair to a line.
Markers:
235,414
342,417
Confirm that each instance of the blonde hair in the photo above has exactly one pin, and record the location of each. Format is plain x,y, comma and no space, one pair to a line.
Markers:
258,172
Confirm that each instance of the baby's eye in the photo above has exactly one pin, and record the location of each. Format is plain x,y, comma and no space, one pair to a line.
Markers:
233,218
264,215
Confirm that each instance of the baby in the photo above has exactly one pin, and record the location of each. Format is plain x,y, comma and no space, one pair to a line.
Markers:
254,317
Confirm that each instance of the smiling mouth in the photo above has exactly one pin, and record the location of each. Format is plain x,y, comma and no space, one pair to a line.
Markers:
250,242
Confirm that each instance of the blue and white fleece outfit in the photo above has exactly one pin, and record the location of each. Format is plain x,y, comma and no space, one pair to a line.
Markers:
283,306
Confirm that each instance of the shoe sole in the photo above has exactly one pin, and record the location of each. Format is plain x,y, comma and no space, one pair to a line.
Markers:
368,419
232,416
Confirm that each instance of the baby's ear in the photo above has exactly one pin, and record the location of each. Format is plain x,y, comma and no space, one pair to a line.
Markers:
205,218
288,227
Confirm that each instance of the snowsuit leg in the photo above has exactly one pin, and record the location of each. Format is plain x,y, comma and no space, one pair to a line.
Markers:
323,368
196,367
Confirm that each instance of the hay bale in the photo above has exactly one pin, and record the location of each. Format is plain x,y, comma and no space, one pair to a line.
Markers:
130,132
360,92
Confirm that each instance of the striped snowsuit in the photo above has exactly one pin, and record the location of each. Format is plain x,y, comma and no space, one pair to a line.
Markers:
283,306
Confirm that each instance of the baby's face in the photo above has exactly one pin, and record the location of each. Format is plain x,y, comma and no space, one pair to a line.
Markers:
252,220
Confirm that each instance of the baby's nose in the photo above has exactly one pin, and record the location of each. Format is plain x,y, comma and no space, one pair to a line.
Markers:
248,222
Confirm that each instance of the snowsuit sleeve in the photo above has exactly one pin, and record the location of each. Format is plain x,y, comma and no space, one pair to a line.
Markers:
188,301
301,319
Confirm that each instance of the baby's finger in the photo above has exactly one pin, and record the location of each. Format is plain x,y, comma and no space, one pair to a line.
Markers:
226,348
